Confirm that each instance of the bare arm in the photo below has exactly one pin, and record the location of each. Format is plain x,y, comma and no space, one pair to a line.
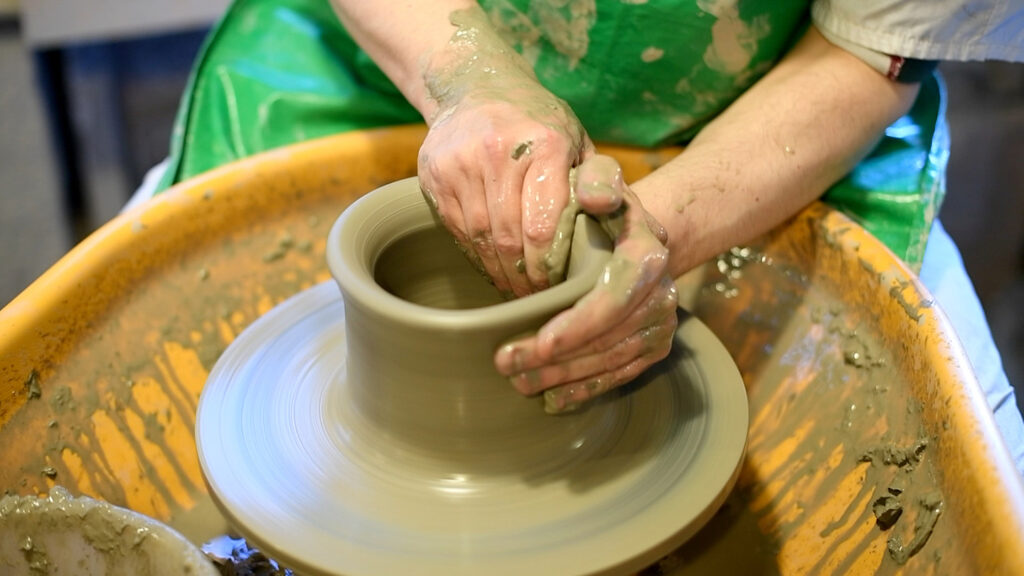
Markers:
402,36
773,151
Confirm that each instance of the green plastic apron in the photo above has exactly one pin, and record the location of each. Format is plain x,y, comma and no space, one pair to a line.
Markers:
275,72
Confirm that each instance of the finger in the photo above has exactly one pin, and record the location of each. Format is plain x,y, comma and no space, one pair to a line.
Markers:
650,340
521,357
473,200
601,190
633,271
544,201
505,179
599,185
655,227
440,194
570,396
637,264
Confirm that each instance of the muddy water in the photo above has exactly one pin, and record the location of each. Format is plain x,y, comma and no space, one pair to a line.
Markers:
839,476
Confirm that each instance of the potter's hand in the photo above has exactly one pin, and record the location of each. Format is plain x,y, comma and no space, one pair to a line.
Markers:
495,163
496,169
622,326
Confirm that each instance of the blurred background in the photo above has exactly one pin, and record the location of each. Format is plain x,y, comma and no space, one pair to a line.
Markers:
89,90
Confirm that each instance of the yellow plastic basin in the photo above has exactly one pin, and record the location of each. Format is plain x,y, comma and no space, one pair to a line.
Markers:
858,387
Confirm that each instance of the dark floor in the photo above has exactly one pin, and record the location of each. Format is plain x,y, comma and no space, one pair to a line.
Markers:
124,96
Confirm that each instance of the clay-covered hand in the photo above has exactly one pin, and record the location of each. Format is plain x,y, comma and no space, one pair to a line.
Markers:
495,163
622,326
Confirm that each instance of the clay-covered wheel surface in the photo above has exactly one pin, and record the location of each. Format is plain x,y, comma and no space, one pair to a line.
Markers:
298,470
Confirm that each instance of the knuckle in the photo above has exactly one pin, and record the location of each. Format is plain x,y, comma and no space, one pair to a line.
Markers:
669,300
481,241
540,233
555,138
461,238
507,244
662,347
522,383
620,354
659,350
495,147
477,224
655,263
632,370
596,387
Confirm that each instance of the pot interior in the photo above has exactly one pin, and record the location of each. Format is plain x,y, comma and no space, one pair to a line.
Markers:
426,267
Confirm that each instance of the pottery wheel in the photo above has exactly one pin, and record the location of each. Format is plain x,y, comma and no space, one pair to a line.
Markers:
295,467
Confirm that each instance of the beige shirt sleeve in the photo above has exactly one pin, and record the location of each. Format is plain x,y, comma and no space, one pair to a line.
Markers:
927,29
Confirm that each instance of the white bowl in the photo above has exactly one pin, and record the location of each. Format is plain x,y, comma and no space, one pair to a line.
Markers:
61,534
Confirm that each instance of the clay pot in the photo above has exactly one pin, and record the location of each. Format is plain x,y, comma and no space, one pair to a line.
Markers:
422,326
369,432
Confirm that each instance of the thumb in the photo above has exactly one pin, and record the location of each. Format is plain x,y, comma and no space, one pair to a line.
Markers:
599,185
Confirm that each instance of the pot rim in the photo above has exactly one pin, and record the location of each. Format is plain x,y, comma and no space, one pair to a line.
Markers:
351,264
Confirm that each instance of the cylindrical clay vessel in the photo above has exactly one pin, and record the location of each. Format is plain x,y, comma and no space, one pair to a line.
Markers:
422,326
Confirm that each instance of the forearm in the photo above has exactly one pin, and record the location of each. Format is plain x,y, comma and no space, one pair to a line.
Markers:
777,148
402,37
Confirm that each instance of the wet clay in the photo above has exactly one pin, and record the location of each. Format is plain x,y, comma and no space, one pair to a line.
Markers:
478,61
557,257
393,416
345,463
564,23
60,534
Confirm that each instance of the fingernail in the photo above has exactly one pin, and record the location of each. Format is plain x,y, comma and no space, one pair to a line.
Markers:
527,382
553,402
556,401
509,359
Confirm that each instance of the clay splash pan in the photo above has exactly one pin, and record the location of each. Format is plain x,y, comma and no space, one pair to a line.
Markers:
374,437
115,342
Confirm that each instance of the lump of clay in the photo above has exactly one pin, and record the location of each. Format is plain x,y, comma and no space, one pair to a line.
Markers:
887,511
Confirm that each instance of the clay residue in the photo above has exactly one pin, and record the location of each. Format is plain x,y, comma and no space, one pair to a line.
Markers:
734,41
913,310
651,54
889,506
522,149
61,534
929,509
834,429
280,249
556,260
564,24
32,388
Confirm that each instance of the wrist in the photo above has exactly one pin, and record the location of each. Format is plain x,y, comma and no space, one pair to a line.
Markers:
476,60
